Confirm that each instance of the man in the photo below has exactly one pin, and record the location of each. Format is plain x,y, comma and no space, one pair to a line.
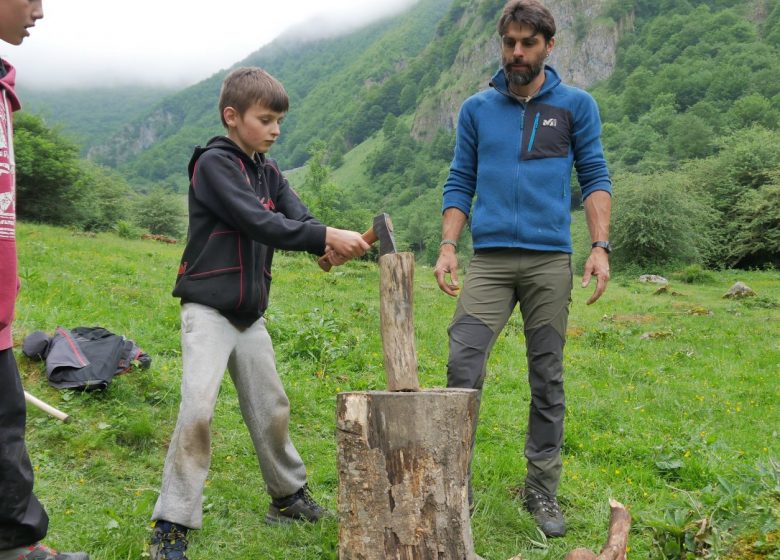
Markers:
515,147
23,522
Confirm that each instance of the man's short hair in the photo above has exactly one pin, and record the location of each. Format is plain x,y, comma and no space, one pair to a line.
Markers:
244,87
527,12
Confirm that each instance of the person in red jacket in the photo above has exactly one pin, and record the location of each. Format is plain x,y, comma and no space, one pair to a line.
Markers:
23,521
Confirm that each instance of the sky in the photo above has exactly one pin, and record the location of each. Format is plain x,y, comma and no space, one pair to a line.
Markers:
167,42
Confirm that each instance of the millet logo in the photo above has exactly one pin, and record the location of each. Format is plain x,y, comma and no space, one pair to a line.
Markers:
550,122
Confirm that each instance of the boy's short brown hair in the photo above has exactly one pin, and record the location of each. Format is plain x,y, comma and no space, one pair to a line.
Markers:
244,87
528,12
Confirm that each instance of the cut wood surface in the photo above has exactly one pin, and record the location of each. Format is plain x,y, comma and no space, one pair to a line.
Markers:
396,302
403,468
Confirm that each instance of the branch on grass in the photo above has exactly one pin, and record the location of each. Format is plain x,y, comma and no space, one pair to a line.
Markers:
617,537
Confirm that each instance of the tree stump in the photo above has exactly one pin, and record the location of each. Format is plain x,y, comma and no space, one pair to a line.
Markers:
403,465
396,320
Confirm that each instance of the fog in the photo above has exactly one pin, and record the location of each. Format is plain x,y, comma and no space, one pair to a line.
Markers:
88,43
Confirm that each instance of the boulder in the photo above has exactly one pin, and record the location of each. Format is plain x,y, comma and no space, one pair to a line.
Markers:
653,279
738,291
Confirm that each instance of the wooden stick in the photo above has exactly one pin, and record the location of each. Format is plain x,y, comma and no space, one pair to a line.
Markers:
617,538
47,408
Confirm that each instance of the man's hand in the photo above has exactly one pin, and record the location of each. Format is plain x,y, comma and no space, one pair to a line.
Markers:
447,264
598,266
342,245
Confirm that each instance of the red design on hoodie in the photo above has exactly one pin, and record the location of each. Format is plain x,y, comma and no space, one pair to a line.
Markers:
8,280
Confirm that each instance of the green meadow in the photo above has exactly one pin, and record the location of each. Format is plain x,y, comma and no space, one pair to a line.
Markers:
672,407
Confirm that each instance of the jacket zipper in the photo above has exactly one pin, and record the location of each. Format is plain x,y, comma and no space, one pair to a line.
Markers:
518,174
533,133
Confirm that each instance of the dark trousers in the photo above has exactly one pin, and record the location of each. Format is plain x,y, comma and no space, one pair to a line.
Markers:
22,518
540,284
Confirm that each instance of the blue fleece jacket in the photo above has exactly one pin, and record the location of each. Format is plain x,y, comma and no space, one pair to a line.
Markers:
517,159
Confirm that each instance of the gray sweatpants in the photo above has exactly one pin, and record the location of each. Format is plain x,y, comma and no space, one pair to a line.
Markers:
540,284
210,343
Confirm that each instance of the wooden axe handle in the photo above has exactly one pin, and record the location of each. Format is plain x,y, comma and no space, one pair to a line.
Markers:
324,261
47,408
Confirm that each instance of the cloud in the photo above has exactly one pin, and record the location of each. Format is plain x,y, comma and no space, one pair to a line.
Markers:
84,43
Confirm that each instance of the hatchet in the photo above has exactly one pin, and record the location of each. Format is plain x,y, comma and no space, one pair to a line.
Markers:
381,230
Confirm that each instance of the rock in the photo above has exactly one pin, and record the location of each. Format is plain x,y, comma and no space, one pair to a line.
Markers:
739,290
667,290
653,279
655,335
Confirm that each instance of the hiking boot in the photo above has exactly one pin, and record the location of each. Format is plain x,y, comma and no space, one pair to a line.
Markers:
42,552
296,507
169,541
545,511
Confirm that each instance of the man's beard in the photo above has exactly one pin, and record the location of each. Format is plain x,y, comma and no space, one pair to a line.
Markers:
523,77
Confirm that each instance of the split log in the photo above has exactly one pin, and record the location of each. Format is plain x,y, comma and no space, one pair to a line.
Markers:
396,280
617,537
403,468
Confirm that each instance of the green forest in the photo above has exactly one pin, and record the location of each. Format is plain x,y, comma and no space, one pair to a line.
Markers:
691,117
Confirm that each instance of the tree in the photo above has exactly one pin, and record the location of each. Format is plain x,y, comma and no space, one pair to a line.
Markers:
758,220
690,137
659,220
753,109
160,213
46,173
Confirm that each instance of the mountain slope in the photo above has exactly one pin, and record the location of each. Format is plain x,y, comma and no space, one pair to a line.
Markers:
323,78
92,115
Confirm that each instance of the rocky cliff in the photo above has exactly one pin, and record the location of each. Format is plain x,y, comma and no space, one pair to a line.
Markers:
584,54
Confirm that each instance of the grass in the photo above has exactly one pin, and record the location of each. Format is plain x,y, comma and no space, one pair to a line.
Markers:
672,407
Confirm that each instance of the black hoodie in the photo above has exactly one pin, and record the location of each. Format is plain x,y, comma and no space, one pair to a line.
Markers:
240,210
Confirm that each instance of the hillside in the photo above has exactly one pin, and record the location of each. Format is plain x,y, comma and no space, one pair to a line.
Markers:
323,78
91,115
423,62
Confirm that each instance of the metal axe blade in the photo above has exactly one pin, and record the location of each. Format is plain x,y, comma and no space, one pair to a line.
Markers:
383,229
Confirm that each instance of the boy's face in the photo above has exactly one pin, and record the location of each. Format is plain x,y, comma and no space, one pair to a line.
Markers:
254,131
16,16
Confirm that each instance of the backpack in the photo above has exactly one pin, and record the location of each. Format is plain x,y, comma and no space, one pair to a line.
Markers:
84,357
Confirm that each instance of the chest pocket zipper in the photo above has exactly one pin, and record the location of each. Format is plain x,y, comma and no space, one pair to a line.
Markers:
533,133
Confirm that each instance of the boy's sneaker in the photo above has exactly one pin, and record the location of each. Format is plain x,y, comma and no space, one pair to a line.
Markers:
296,507
169,541
42,552
545,511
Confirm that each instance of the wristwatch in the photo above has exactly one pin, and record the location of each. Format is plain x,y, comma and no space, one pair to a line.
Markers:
603,244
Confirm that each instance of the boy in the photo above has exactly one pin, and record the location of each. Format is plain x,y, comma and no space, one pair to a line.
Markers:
240,210
23,521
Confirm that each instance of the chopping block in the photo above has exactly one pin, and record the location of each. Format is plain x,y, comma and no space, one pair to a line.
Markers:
403,454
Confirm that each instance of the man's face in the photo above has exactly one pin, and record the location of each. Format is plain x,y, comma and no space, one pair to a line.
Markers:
522,53
16,16
256,130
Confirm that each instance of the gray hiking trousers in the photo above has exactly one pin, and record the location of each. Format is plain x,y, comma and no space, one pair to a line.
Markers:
210,343
540,283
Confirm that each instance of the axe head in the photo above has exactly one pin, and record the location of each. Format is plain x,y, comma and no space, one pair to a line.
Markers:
383,229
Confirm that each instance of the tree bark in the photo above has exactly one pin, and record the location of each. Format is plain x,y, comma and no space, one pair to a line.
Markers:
396,280
403,464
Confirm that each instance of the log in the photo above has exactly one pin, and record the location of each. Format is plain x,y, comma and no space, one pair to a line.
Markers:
396,280
403,467
617,537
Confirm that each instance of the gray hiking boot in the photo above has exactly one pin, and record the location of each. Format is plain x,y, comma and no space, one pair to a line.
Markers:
169,541
545,511
300,506
42,552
